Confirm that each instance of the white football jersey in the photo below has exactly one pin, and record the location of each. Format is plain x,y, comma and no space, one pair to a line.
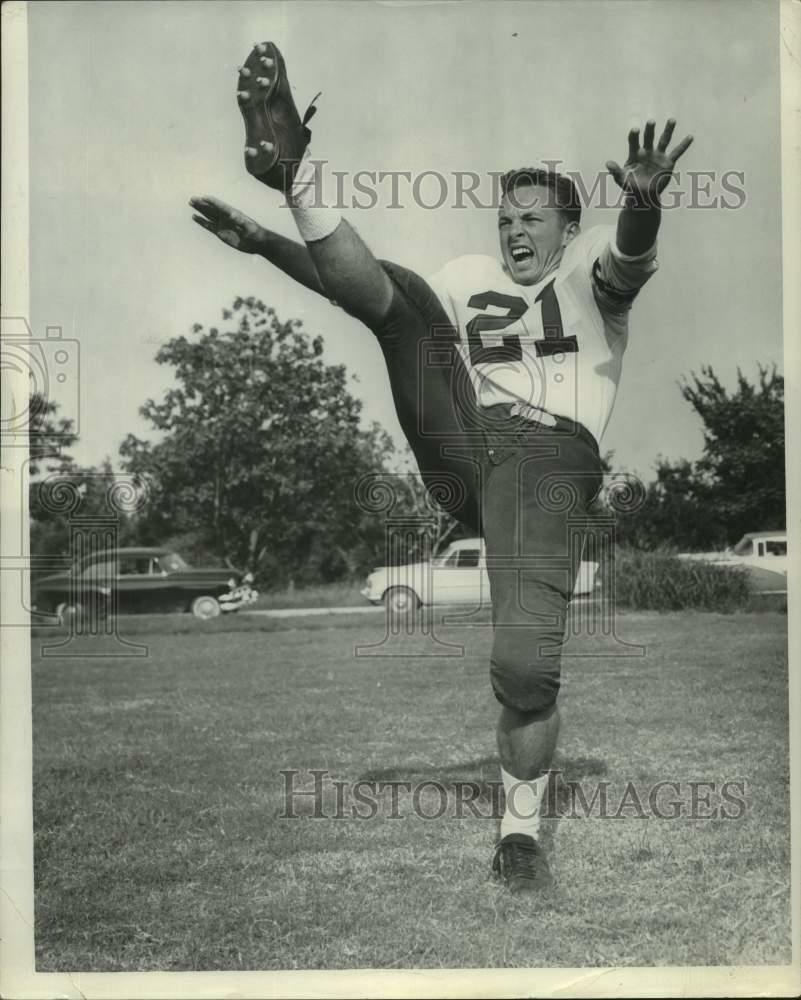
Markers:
557,345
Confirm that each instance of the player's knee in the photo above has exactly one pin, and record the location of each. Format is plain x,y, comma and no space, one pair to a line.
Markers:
525,679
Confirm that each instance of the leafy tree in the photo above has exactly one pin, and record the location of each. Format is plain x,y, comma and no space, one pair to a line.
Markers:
48,436
260,450
55,477
737,485
742,467
673,512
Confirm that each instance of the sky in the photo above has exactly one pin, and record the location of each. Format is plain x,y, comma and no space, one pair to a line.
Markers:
133,111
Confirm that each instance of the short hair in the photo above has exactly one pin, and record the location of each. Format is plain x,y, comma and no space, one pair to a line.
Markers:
565,195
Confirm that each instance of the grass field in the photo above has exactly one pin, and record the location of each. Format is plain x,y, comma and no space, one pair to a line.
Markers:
159,841
326,595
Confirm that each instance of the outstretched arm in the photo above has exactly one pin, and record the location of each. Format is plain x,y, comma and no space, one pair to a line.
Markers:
239,231
643,177
339,267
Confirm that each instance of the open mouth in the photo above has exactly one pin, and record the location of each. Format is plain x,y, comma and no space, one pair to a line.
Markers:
521,254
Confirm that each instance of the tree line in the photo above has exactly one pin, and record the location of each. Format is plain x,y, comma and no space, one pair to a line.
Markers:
258,448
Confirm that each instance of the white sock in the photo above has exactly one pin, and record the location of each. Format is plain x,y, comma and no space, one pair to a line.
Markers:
523,801
309,205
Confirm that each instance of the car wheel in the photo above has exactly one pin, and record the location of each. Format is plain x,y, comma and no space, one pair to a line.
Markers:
401,601
205,607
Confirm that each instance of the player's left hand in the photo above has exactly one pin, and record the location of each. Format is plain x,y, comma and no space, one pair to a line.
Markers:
647,171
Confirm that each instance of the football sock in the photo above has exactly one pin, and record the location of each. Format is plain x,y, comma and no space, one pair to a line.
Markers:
523,801
309,204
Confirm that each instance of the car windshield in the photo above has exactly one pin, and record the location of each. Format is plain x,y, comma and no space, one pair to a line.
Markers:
173,563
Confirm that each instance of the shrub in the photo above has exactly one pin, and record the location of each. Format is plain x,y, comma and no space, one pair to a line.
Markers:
659,581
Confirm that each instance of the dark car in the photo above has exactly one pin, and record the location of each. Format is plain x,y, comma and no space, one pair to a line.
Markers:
140,580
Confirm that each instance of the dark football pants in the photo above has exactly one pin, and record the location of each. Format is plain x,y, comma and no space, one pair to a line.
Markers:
524,486
538,483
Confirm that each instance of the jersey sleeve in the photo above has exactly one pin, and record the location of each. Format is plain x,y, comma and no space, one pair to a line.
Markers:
616,277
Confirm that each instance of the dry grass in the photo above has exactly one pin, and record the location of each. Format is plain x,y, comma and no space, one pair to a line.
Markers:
160,844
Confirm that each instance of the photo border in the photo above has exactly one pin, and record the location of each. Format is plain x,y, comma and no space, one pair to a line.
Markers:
18,977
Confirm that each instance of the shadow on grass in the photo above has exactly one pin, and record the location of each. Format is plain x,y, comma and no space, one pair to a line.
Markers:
483,775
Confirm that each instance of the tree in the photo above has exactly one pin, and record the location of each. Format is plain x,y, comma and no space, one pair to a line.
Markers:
261,449
673,512
56,480
742,467
48,436
737,485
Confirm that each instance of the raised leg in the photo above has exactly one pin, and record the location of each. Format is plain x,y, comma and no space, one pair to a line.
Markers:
351,275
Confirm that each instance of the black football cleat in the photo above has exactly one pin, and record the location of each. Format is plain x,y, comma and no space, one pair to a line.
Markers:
275,135
521,863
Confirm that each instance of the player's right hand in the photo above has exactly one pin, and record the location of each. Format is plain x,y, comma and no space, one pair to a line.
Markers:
230,225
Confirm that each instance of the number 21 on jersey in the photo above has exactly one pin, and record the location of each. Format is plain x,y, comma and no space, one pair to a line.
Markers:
552,342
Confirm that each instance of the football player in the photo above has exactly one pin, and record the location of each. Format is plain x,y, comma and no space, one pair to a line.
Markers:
534,345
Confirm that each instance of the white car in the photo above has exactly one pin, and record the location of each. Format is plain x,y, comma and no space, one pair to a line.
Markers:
763,549
457,576
762,553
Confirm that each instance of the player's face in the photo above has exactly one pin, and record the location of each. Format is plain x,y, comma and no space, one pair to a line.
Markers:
533,234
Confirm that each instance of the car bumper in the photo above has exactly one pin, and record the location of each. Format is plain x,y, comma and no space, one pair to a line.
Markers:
238,598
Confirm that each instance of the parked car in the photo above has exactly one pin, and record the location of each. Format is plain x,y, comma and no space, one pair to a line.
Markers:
143,579
457,576
765,549
762,553
756,548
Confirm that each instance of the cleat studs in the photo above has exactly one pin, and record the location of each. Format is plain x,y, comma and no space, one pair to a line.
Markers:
266,61
261,48
263,81
268,147
244,71
243,95
250,151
